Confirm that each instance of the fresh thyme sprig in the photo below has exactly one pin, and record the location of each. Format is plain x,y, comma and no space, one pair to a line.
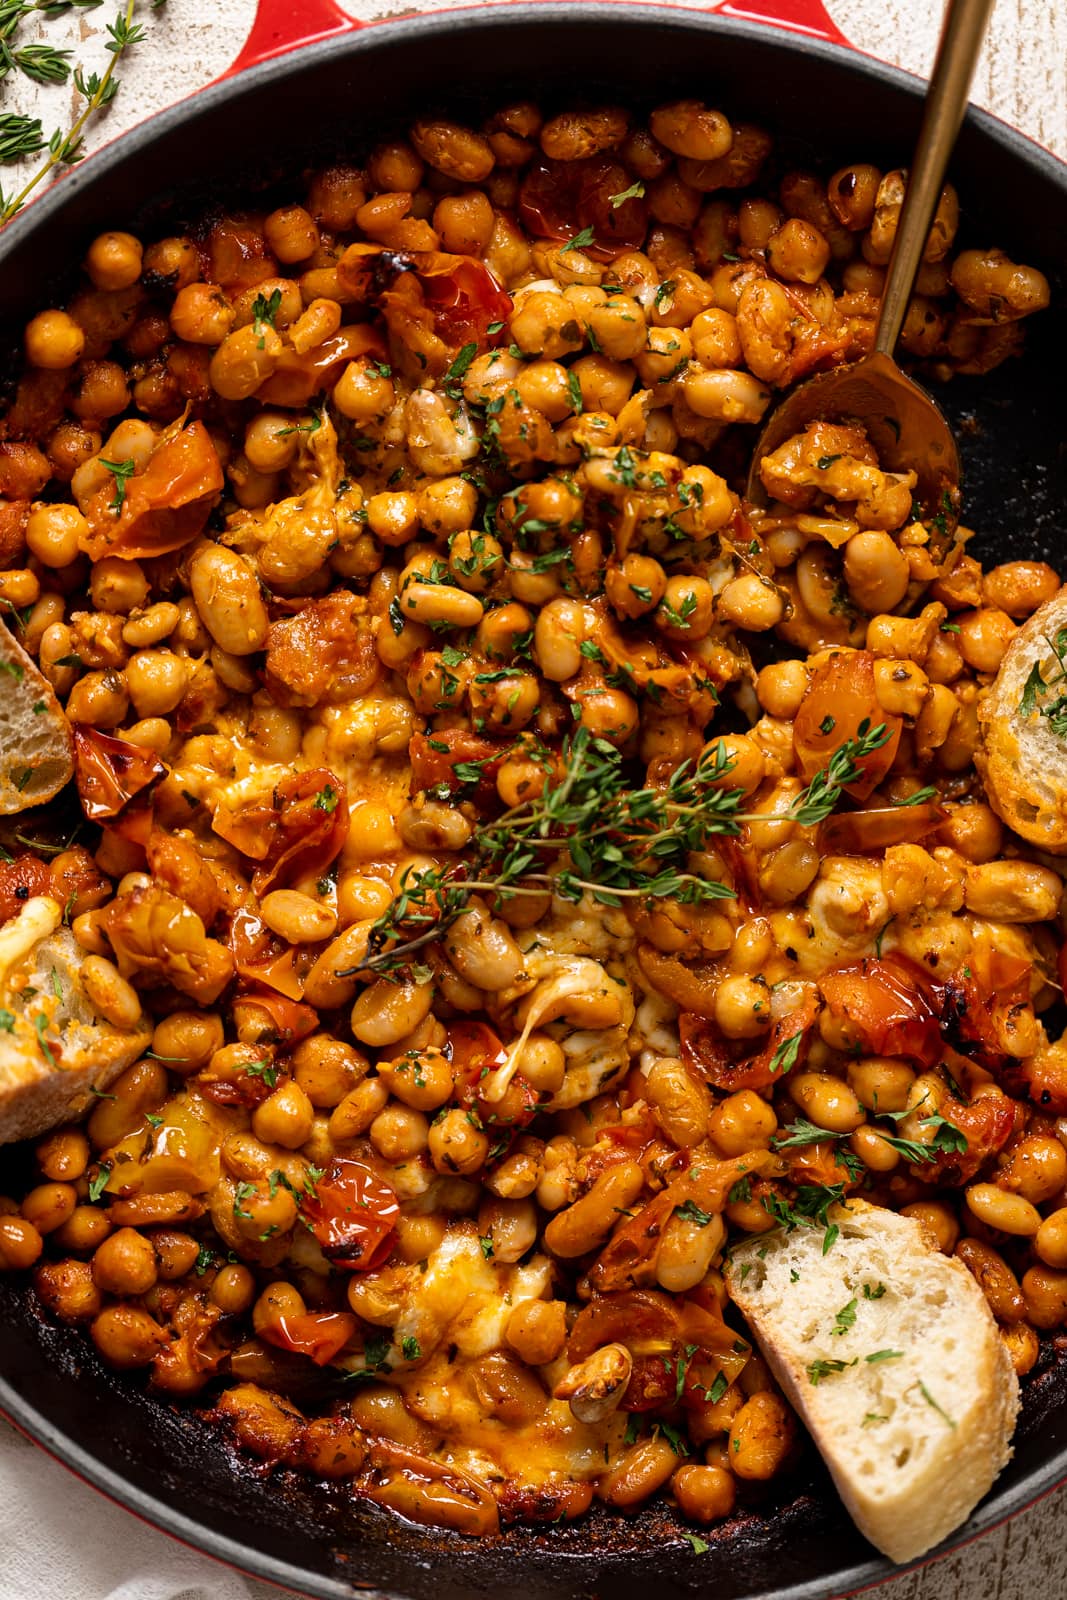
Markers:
22,136
824,790
596,834
590,832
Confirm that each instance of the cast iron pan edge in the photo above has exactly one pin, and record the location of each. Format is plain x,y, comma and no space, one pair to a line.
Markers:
161,1462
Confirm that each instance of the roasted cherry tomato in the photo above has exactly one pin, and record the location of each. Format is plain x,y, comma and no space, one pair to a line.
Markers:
839,702
295,832
319,1334
297,379
20,880
888,1003
564,199
353,1215
109,772
855,832
164,506
704,1050
435,757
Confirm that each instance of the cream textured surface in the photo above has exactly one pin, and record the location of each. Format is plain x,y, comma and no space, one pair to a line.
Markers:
58,1537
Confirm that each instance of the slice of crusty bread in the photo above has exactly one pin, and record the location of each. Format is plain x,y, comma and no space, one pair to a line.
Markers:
36,749
55,1049
914,1438
1022,759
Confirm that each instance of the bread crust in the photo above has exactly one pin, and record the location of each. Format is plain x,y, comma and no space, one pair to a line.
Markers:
902,1509
1022,762
49,1069
33,742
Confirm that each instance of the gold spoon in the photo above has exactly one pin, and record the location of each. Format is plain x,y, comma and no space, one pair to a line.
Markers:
903,423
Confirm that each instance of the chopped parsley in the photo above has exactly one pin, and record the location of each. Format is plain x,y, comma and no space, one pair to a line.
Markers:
634,192
785,1055
121,471
264,311
99,1181
930,1401
845,1319
579,242
820,1369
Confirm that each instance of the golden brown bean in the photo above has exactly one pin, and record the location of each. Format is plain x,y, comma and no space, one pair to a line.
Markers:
67,1289
1007,1213
761,1436
125,1263
20,1244
1045,1293
704,1494
587,1223
49,1205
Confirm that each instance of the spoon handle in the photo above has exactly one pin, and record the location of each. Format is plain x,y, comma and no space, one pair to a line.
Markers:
962,33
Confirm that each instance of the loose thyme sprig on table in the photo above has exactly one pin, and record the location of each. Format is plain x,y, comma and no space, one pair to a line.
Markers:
589,831
22,135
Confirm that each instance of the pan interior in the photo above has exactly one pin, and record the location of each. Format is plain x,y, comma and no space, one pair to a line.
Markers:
248,138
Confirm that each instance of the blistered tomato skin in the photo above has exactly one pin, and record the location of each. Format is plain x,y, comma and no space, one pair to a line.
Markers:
503,869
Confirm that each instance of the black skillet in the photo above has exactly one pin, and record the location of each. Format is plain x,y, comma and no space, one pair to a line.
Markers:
826,106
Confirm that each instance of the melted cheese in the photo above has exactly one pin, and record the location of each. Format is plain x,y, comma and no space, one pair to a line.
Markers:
36,920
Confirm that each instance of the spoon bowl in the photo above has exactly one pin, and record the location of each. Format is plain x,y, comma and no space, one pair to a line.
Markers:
902,422
905,426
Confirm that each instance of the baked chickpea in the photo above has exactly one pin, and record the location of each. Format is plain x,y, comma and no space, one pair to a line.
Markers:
456,151
688,128
1045,1292
761,1436
704,1494
114,260
127,1336
54,534
233,1289
67,1289
456,1144
327,1069
798,252
984,637
852,192
53,341
49,1205
973,831
743,1121
292,234
63,1155
537,1331
742,1008
876,571
938,1219
1019,587
186,1040
156,680
780,687
826,1101
125,1263
201,314
176,1253
421,1079
20,1244
285,1117
751,602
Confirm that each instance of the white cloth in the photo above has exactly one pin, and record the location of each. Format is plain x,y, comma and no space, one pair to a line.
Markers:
60,1540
